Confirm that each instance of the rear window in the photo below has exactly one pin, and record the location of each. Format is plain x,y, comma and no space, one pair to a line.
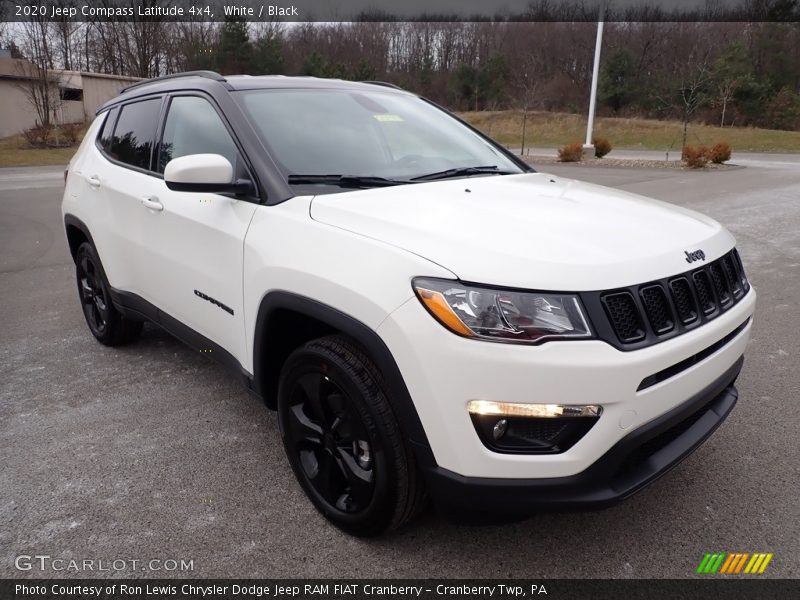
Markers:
134,135
104,137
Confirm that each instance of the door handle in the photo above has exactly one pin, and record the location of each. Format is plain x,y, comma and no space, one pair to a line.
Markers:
93,181
152,203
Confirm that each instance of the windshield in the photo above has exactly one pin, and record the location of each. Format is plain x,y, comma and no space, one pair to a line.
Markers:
366,134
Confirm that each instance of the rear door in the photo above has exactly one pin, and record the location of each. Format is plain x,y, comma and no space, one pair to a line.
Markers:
195,241
121,177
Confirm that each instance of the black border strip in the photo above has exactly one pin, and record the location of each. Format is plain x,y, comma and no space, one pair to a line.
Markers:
415,10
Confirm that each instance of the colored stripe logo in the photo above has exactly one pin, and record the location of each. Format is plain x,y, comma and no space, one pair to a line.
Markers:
734,563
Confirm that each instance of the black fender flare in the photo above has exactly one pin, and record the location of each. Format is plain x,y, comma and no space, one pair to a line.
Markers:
73,221
370,341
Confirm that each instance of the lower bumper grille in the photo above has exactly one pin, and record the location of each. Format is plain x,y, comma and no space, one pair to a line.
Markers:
673,370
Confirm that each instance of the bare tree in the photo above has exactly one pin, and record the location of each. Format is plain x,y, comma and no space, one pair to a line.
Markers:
726,91
64,37
692,93
528,85
687,76
142,45
38,80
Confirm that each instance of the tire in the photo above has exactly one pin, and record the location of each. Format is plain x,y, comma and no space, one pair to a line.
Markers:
105,322
343,441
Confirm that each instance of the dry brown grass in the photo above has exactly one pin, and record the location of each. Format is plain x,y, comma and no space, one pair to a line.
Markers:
552,130
15,151
548,130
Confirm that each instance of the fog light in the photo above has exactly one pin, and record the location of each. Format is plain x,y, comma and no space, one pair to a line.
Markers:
531,428
546,411
499,429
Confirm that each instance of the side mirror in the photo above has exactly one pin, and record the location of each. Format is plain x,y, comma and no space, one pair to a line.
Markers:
211,173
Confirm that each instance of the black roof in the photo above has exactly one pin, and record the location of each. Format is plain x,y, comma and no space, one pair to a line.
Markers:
211,81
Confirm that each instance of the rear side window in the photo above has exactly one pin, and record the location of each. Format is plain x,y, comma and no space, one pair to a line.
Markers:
134,135
104,137
194,127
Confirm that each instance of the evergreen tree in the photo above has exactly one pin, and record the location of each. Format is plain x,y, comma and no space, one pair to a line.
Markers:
235,49
618,80
268,56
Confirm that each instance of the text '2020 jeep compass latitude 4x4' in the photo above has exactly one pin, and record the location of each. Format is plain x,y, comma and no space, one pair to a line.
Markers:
429,316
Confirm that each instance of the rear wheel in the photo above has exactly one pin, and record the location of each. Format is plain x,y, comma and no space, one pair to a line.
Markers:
105,322
343,441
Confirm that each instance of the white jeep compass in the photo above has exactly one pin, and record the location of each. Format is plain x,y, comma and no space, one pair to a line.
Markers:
429,316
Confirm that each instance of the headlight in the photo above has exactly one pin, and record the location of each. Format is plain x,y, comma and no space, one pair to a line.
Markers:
502,315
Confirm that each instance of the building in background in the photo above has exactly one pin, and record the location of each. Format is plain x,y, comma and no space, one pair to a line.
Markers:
81,94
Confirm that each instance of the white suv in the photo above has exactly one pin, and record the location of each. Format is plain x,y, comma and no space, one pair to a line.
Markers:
429,316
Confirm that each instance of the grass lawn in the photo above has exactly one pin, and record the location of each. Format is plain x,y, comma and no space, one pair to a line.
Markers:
550,130
544,130
15,152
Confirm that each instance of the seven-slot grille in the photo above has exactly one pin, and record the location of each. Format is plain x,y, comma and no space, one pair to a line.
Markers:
673,305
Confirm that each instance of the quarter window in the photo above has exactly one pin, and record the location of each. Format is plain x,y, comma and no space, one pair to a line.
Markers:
135,133
104,139
194,127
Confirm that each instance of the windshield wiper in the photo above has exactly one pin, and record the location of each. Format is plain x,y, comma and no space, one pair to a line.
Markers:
347,181
461,172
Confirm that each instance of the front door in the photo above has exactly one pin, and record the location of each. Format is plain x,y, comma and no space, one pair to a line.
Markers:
196,240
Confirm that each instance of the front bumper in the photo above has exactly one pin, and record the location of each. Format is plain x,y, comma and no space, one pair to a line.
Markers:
635,461
443,372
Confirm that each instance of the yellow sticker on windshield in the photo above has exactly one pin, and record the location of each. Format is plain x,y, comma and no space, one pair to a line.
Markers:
388,118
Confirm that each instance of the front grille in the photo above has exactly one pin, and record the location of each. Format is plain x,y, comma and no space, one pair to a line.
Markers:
730,273
684,300
657,308
705,296
646,314
720,283
624,315
737,261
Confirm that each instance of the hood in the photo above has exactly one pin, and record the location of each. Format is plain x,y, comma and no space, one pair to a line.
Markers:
533,231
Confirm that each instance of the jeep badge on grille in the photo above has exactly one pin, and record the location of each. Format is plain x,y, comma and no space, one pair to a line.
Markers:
693,256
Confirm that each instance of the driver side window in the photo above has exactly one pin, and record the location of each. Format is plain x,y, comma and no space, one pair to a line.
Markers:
194,127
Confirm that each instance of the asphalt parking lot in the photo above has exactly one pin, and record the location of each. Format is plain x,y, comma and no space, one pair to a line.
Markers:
155,452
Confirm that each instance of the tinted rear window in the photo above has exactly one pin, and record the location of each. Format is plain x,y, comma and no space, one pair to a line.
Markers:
135,133
104,138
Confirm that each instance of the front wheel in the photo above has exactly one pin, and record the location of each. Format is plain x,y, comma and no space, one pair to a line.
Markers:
343,441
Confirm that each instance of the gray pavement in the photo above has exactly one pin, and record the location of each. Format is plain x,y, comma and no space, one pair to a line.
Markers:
154,452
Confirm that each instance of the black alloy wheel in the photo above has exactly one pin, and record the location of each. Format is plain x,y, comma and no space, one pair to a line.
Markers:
106,323
343,441
331,442
93,297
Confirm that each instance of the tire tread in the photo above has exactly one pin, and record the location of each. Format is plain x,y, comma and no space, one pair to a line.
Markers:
411,496
120,330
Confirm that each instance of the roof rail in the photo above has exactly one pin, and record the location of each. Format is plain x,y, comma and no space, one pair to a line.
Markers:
384,84
207,74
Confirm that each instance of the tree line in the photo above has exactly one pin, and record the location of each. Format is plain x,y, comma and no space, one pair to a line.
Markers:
727,73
